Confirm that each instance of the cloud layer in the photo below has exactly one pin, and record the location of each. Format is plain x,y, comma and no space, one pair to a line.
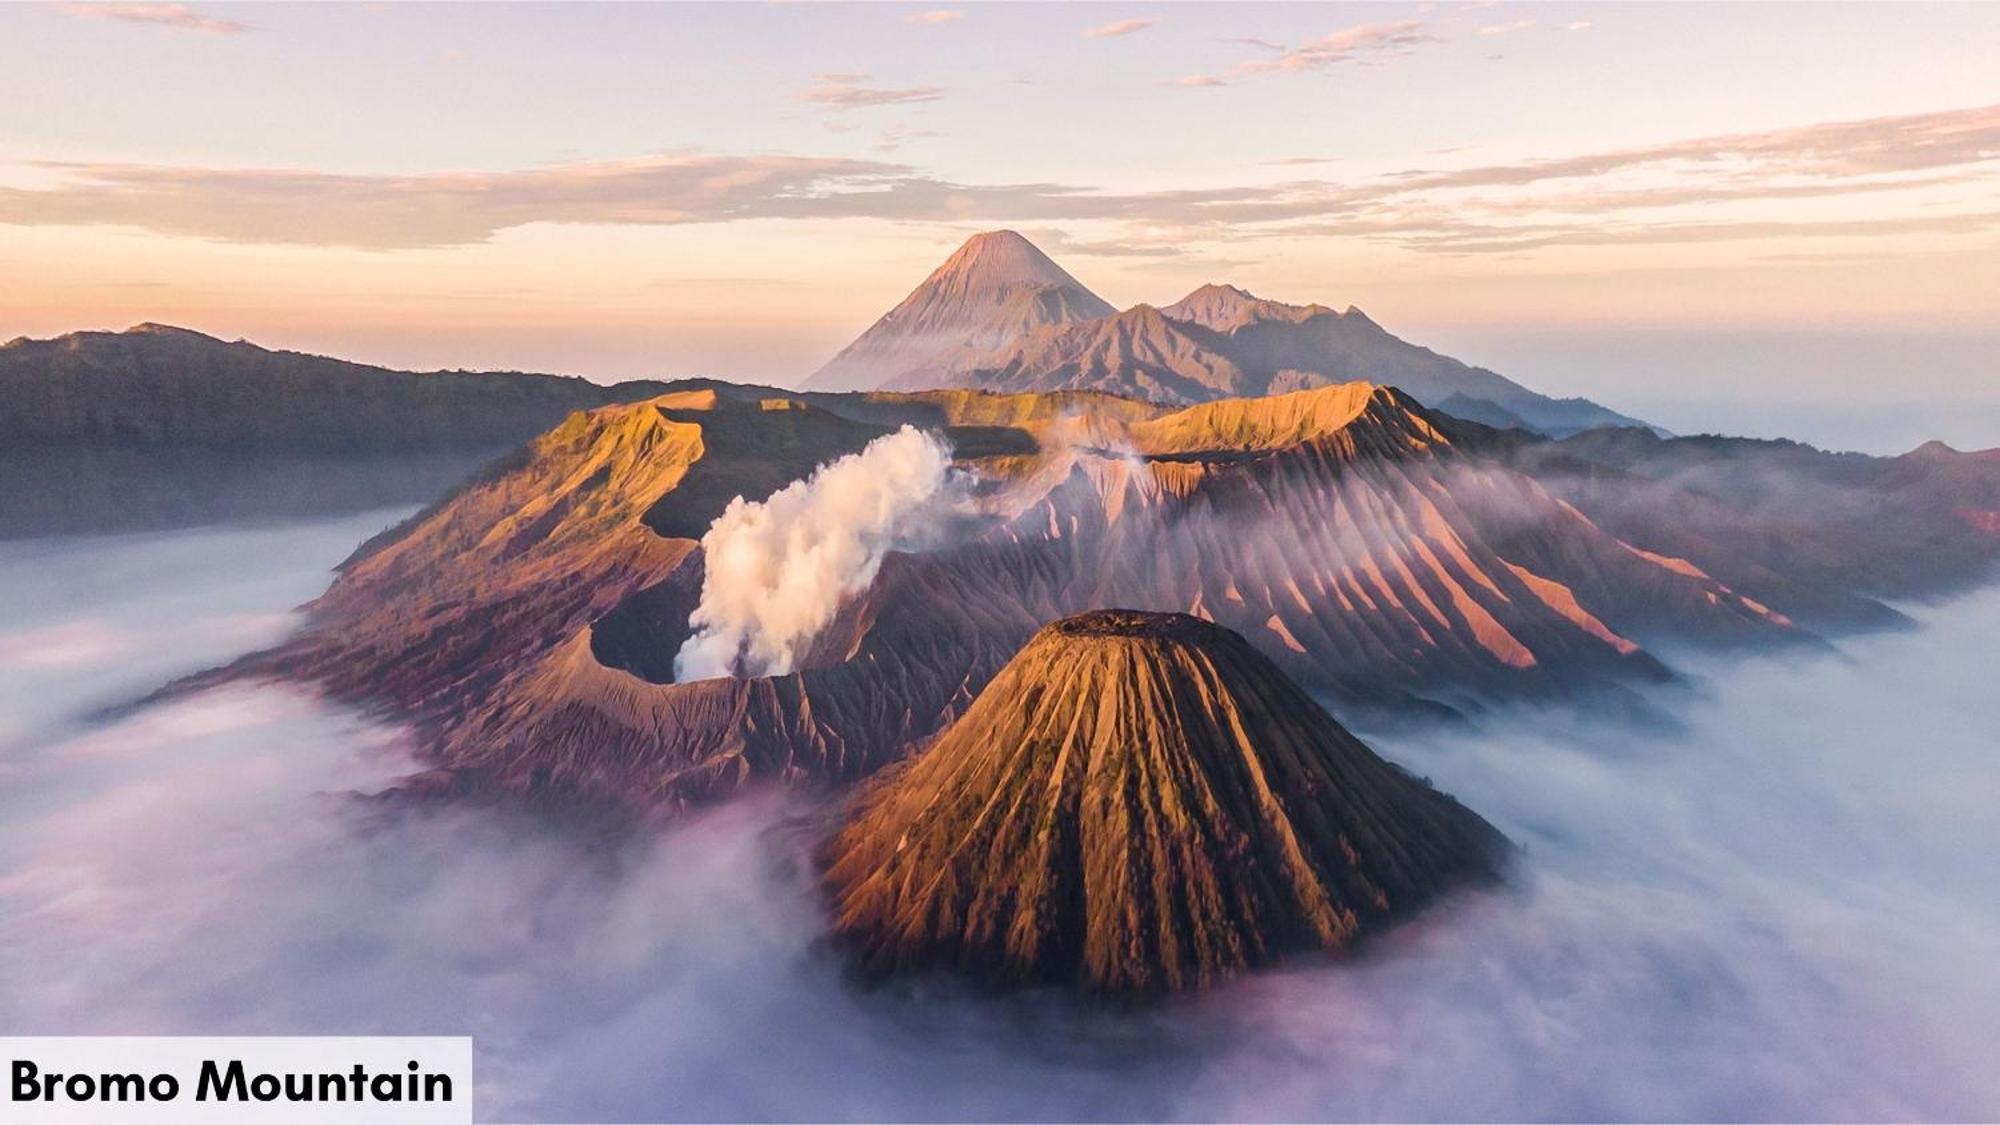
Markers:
1475,209
1783,913
851,91
1120,27
177,16
1345,45
1787,912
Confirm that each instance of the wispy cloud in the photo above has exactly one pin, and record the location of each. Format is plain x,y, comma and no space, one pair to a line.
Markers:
1608,197
1058,241
849,91
1506,28
1479,239
934,17
896,136
1604,200
385,212
1122,27
74,644
1876,145
1344,45
162,15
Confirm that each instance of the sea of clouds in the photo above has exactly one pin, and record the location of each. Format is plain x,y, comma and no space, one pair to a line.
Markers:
1789,909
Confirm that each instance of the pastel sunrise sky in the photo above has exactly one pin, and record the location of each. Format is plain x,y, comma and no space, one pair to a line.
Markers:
1758,219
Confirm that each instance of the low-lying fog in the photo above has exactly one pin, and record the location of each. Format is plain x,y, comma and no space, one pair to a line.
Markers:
1793,911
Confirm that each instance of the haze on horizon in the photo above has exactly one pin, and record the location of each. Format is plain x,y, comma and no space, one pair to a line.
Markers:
1761,218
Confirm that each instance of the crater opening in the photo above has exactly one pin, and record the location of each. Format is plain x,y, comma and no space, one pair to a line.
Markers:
643,633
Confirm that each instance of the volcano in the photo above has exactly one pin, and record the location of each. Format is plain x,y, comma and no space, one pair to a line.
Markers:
999,315
1140,803
528,623
997,288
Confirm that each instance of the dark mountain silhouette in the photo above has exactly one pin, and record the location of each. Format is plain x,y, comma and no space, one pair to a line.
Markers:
1139,803
159,427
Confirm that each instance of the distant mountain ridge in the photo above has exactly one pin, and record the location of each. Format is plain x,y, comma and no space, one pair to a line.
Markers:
155,384
1894,527
963,327
158,427
1222,308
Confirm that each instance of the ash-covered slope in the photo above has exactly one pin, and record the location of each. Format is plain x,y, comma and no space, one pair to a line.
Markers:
996,288
529,623
1139,803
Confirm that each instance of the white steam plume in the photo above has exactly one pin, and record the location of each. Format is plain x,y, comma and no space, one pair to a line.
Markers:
778,571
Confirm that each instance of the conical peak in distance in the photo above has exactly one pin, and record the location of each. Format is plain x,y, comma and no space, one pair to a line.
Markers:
997,259
994,290
990,270
1139,803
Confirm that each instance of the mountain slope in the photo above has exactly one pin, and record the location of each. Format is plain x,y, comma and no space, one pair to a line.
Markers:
1837,524
1225,308
1000,316
1139,803
994,289
1138,352
529,623
1307,345
156,386
159,427
1222,342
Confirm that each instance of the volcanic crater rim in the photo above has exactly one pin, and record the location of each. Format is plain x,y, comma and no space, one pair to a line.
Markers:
1134,623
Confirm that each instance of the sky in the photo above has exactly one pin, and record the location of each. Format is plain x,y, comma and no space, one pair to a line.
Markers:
1753,218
